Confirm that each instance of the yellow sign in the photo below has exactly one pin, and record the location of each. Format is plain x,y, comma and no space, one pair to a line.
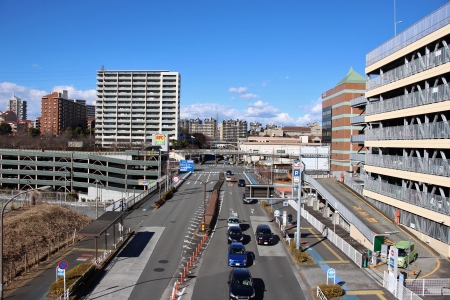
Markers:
160,139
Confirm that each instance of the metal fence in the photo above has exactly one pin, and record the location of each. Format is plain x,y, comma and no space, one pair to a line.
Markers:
433,166
414,99
345,247
438,130
344,212
434,21
429,286
358,188
420,64
399,291
416,197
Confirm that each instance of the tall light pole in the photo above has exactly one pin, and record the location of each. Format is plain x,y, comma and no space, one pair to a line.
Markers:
1,232
65,185
395,21
96,199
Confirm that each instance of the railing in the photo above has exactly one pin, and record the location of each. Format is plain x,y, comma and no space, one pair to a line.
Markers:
429,286
77,283
434,21
344,212
358,156
436,166
438,130
358,101
348,181
418,98
357,138
345,247
320,294
357,119
422,199
399,291
420,64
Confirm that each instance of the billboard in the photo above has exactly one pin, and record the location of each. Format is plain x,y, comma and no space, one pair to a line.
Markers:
145,182
160,140
186,166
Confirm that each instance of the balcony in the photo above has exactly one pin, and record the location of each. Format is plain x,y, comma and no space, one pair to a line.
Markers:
436,166
415,99
428,61
358,157
360,101
427,25
358,120
357,139
437,130
422,199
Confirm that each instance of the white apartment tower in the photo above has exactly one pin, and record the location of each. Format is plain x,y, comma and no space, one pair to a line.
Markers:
131,106
18,106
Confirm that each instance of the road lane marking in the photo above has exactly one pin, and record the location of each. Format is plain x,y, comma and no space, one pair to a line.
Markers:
329,248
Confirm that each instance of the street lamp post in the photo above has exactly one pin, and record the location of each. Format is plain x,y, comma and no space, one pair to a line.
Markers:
96,199
1,233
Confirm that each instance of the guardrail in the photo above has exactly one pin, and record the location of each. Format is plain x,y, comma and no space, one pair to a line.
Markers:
400,292
320,294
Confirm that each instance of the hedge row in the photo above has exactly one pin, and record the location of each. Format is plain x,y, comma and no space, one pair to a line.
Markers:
57,287
165,196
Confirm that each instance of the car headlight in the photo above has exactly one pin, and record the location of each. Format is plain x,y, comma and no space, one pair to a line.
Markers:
233,296
230,260
241,238
245,261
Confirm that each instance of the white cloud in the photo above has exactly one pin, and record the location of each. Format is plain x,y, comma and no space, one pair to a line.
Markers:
249,96
73,93
312,113
265,83
232,98
287,77
34,96
238,90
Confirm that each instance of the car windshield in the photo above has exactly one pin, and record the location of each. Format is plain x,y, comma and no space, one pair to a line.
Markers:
264,231
402,252
237,251
234,221
242,281
235,232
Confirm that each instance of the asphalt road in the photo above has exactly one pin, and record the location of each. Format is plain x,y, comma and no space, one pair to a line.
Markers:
274,276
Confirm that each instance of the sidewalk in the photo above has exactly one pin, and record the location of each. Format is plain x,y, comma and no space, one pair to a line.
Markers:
356,282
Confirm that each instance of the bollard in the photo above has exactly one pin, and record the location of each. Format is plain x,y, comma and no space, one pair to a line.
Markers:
203,226
181,278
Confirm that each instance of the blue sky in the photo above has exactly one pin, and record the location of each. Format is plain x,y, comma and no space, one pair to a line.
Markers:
266,61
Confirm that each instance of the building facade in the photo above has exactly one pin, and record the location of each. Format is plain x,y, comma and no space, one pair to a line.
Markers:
231,130
58,113
336,115
407,132
18,106
131,106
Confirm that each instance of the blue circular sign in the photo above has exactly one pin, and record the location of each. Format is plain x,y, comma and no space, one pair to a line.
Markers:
63,264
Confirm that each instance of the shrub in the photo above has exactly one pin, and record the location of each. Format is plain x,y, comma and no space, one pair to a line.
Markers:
265,203
331,290
298,255
57,287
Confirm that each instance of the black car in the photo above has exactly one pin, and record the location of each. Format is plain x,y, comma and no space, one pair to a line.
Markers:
264,235
240,283
229,172
235,234
241,182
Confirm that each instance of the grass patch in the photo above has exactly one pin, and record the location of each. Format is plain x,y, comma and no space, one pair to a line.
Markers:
57,287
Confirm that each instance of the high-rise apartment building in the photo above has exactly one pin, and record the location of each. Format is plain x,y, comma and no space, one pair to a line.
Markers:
131,106
210,128
18,106
90,111
407,133
58,113
336,115
231,130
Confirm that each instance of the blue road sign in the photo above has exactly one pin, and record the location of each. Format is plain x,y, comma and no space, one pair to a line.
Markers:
63,264
296,172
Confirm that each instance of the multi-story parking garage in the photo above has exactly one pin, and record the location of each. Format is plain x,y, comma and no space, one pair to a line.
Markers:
407,133
81,172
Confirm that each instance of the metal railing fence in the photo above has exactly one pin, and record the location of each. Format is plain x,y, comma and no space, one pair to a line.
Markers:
400,292
414,99
429,286
434,21
320,294
345,247
420,64
344,212
358,188
436,166
422,199
438,130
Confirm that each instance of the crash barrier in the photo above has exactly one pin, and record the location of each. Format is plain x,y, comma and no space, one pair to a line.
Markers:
399,291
